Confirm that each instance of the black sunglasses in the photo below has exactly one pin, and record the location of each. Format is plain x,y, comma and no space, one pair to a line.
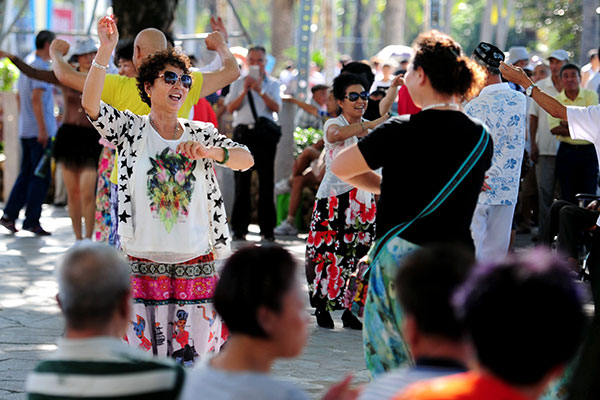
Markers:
353,96
171,78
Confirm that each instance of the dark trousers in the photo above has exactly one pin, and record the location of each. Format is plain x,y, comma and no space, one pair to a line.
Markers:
577,170
29,189
569,222
263,149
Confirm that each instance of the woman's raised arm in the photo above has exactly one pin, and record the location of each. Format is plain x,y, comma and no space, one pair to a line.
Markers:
94,83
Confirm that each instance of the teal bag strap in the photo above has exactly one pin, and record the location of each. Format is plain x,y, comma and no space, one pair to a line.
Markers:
446,191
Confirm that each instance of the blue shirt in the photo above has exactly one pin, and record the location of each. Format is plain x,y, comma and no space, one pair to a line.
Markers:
243,115
28,126
502,109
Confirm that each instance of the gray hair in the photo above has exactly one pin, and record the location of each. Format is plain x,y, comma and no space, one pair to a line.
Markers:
92,280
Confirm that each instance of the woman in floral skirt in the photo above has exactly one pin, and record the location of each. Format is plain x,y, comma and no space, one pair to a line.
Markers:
343,220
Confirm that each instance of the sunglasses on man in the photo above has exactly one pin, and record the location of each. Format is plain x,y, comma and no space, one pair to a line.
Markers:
171,78
353,96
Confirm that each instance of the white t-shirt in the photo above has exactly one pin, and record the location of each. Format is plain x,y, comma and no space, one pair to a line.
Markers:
170,217
593,83
584,123
546,141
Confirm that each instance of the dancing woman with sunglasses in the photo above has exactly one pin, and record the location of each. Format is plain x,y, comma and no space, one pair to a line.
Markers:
343,220
172,219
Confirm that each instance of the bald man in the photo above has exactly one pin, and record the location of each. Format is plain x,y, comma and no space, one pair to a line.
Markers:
122,93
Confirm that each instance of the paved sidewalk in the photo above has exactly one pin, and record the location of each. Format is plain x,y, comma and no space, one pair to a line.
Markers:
30,321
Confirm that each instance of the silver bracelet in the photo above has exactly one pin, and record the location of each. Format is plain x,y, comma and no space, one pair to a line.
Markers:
95,64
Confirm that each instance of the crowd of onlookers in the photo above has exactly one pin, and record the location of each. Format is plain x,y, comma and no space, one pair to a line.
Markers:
419,261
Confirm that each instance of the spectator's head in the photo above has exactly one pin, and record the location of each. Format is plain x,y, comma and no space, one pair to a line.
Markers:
524,317
84,52
518,56
160,79
439,66
319,94
425,284
351,95
570,74
594,58
362,70
42,43
123,58
332,106
556,60
148,42
386,70
259,299
541,71
489,57
94,290
257,55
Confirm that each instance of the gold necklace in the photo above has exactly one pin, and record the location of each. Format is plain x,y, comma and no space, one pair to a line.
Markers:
156,129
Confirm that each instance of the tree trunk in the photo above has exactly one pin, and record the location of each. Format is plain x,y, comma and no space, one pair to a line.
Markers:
362,28
394,20
282,27
504,23
590,36
344,24
486,25
448,16
133,16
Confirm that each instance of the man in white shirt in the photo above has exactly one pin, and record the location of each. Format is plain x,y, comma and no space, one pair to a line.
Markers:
544,145
502,109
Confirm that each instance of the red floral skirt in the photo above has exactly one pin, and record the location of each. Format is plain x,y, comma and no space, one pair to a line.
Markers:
341,231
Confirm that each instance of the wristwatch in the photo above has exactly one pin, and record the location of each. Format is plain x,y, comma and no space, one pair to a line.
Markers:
529,90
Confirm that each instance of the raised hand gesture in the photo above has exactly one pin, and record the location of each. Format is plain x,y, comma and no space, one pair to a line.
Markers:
107,32
217,25
59,47
215,40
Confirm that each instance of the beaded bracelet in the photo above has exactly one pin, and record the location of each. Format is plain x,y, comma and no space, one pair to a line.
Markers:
226,156
100,66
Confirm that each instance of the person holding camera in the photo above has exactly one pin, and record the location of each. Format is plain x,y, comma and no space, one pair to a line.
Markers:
254,101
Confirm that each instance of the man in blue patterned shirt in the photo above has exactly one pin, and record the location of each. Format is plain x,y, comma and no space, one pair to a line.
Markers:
503,112
37,126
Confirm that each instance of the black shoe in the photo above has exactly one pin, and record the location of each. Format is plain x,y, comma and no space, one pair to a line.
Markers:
38,230
8,224
239,238
324,319
350,321
268,238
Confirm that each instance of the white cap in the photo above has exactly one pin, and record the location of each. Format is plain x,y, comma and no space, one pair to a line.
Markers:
84,46
517,53
560,55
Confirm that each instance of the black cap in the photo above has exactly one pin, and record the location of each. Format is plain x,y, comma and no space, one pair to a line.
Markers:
489,54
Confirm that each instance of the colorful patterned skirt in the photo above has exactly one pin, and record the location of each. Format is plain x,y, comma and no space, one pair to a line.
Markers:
341,231
173,314
384,344
103,219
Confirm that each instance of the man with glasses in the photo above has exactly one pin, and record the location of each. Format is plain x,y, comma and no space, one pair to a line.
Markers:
255,101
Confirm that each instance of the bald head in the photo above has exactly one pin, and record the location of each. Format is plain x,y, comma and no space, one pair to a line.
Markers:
147,42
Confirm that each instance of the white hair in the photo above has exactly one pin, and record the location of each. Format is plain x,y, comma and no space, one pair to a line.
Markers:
92,279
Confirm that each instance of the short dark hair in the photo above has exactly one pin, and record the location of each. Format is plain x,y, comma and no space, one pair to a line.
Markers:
570,66
343,81
448,69
124,51
425,283
257,47
316,88
524,316
362,70
152,65
253,277
42,38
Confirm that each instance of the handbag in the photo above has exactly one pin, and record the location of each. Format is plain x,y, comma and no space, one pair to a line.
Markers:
264,125
358,284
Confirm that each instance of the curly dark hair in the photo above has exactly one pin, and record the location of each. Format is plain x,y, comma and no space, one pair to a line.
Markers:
448,69
152,65
343,81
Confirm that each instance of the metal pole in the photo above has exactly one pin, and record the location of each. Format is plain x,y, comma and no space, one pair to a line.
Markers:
6,32
89,28
237,17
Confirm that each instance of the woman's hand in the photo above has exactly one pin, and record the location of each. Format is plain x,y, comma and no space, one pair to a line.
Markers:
515,75
397,81
194,150
375,123
59,47
107,32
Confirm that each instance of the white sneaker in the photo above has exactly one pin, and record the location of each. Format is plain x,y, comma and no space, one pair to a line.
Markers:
285,229
282,186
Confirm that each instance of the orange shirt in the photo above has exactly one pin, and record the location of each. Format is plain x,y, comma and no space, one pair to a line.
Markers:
466,386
